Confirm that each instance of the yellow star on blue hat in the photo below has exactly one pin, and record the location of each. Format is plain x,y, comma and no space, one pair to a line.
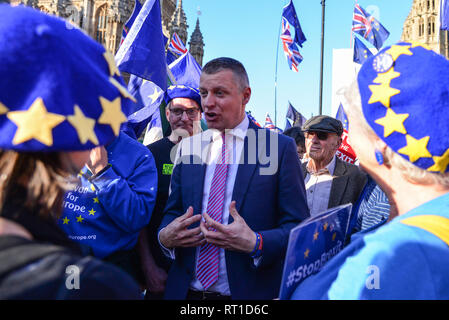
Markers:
26,123
392,122
396,50
3,109
419,44
84,126
386,77
416,149
441,163
112,114
382,93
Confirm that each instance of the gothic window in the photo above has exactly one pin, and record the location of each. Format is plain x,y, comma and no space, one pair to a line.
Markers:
421,27
428,4
433,4
102,22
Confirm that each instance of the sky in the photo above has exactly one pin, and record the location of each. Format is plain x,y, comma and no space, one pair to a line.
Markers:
248,30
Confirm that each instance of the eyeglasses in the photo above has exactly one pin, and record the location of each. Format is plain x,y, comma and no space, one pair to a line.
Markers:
321,135
191,113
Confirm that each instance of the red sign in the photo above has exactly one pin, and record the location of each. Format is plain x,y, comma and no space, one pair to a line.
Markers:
345,151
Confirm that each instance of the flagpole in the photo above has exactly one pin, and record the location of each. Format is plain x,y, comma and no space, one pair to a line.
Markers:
323,5
276,75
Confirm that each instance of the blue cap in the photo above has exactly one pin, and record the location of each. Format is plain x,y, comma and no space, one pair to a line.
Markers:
59,89
405,99
182,91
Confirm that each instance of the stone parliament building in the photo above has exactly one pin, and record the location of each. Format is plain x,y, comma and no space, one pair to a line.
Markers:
423,25
103,20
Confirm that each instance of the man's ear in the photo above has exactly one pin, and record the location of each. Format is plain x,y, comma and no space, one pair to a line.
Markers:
246,95
339,142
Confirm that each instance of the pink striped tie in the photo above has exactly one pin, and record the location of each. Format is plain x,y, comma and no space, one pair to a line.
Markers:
208,261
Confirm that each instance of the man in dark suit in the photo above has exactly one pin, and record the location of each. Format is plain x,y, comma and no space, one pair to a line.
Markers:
330,182
236,192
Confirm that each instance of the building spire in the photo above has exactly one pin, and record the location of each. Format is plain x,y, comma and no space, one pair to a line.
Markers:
178,23
197,44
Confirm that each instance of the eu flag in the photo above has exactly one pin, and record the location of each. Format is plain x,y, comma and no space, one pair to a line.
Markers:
294,118
444,15
143,51
186,70
289,13
368,27
341,115
361,52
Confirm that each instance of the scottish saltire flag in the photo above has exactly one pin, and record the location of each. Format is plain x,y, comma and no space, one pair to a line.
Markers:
290,48
289,14
444,14
149,97
312,244
368,27
143,51
361,52
294,118
186,70
132,18
176,46
253,119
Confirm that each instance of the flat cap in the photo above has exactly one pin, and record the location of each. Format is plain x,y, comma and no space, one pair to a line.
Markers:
323,123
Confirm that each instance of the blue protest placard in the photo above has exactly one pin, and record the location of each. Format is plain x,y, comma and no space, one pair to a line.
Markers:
311,244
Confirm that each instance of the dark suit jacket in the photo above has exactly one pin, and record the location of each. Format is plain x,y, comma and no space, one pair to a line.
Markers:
347,184
271,204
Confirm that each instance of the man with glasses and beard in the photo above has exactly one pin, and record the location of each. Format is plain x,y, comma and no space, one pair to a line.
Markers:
329,181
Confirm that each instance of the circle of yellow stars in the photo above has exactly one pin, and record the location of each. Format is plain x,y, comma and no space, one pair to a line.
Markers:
382,92
38,123
316,234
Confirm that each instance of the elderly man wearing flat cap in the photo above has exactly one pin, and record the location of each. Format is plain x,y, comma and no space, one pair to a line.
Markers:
183,112
329,181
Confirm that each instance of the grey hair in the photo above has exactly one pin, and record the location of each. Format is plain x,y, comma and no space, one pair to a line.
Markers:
409,171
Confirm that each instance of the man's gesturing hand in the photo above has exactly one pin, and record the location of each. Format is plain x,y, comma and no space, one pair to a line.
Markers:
236,236
176,233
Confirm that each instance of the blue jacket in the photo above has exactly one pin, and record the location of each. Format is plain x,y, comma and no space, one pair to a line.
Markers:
107,212
400,260
271,204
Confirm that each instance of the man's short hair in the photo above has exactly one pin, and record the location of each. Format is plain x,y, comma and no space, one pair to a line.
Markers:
225,63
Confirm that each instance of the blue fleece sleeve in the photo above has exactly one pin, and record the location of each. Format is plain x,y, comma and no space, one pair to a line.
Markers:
129,201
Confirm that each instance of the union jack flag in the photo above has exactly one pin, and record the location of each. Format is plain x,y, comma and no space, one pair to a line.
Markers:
368,27
176,46
291,50
253,119
361,22
269,123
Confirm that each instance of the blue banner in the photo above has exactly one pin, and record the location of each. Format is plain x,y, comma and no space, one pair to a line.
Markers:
311,244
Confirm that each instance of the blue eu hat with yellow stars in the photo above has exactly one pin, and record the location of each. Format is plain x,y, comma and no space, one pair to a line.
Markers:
405,100
59,89
182,91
